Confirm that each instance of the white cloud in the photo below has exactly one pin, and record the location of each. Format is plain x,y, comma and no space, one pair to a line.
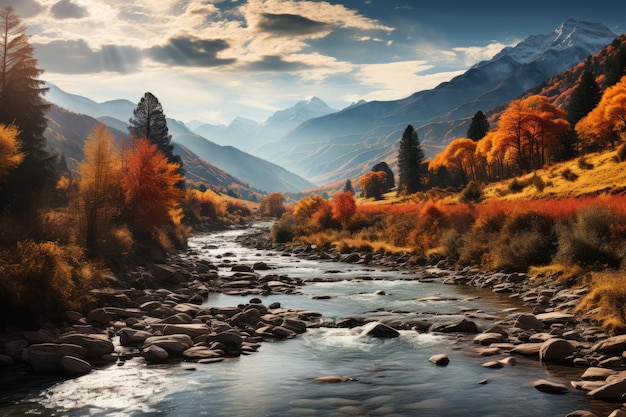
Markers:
399,79
474,54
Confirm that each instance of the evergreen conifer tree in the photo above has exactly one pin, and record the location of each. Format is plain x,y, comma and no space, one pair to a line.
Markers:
410,163
479,127
149,122
22,105
348,186
585,97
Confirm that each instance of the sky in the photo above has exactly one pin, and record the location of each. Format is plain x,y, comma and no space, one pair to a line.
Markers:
214,60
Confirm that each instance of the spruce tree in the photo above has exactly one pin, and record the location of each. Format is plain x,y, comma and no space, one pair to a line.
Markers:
149,122
348,186
479,127
22,104
410,160
585,97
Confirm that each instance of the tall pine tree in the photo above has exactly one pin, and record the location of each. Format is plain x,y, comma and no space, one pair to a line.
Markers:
585,97
149,122
410,163
479,127
22,105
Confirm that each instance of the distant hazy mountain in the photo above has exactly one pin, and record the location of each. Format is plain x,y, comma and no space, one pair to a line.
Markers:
261,174
67,131
249,135
344,144
118,109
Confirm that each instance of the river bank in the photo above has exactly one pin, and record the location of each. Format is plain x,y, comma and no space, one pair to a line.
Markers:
551,332
161,315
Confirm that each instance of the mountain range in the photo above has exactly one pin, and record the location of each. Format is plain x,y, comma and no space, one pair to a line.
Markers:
324,145
348,143
241,167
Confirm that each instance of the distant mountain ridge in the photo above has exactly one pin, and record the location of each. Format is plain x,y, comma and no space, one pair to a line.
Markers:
67,132
360,136
244,168
249,135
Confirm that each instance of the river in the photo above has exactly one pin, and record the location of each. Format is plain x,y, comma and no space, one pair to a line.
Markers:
390,377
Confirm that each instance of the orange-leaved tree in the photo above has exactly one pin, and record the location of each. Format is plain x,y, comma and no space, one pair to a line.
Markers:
273,205
460,156
10,154
373,184
149,185
605,124
344,207
99,196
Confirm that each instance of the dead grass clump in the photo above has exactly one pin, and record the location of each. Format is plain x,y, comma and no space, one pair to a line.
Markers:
42,279
586,239
606,302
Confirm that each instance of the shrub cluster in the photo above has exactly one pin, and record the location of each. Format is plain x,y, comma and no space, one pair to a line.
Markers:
511,236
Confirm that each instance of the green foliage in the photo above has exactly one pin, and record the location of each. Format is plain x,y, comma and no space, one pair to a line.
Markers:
149,122
348,186
584,98
410,163
479,127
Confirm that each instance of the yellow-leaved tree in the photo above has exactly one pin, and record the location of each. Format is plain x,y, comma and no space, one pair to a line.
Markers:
10,154
99,195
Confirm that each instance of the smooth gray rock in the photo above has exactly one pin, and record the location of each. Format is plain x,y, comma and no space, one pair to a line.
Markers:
549,387
154,354
555,350
94,344
613,345
612,391
377,329
75,366
440,360
46,357
528,322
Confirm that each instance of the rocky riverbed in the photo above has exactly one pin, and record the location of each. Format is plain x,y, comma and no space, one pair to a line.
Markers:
551,332
159,315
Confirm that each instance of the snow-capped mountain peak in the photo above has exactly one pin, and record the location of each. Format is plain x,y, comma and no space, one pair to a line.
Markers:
571,32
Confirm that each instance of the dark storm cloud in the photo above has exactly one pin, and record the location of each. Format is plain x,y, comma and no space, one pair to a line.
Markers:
65,9
275,63
190,52
76,57
23,8
289,25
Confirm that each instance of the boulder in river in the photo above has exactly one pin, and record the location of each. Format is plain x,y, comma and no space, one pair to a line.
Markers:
463,326
550,387
377,329
440,359
154,353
